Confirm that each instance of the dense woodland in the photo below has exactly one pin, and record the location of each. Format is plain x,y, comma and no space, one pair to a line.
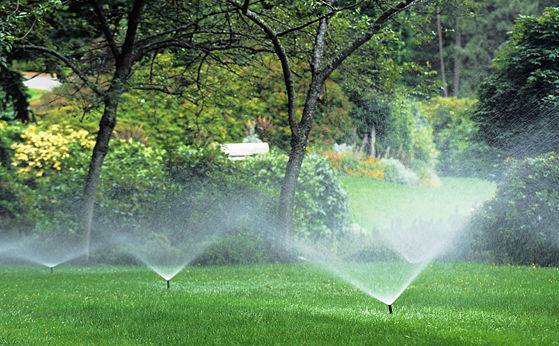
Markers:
401,91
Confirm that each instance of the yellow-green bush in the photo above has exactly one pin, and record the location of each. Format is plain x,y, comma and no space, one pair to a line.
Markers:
41,151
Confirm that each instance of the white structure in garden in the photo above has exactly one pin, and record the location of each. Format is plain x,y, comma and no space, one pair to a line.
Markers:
240,151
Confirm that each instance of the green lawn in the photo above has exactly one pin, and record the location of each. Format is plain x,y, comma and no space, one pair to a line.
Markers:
450,303
275,304
374,203
35,94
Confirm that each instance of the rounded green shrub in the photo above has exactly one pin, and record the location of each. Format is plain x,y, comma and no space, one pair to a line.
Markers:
521,225
320,202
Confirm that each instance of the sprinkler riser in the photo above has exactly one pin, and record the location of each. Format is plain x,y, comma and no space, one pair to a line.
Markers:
168,284
390,309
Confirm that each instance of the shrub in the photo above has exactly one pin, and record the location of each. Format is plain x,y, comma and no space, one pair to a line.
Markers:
42,152
409,135
240,248
42,183
396,172
521,225
320,201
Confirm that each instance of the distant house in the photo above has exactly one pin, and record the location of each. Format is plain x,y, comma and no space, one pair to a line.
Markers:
240,151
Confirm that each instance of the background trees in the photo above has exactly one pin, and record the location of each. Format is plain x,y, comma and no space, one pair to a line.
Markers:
302,76
518,102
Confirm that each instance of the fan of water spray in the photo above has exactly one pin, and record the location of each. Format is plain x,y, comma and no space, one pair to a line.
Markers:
47,250
6,246
383,264
164,253
180,231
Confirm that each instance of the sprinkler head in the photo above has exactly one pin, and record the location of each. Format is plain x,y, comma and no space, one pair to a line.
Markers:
390,309
51,269
168,284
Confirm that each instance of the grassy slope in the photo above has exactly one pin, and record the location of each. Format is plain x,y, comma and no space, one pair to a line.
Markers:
378,203
274,304
35,94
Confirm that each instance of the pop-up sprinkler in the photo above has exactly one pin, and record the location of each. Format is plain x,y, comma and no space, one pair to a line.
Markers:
168,284
51,269
390,309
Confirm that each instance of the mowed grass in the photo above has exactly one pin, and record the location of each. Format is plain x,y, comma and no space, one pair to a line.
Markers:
375,203
35,94
450,303
275,304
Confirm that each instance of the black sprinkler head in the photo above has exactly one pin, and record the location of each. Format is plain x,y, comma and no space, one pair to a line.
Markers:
390,309
168,284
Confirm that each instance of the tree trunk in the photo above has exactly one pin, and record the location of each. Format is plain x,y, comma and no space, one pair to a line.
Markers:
457,59
12,83
106,127
372,141
299,141
364,143
289,186
441,53
123,69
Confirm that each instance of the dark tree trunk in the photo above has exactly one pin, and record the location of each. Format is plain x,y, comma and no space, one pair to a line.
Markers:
289,186
123,69
106,127
441,53
296,155
457,60
320,73
12,83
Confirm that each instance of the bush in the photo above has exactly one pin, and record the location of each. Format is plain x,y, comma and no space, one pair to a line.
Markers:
521,225
42,183
320,201
396,172
241,248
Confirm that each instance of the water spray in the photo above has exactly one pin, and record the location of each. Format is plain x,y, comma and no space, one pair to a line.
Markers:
390,309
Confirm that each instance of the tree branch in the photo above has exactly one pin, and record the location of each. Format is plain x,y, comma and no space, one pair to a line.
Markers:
282,55
374,28
64,59
318,49
105,27
124,59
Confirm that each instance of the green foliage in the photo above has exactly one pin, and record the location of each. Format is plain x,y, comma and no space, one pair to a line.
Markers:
520,225
518,102
203,116
133,180
320,201
409,136
240,248
462,153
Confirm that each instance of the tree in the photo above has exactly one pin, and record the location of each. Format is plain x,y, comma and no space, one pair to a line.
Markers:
17,19
324,58
469,33
120,36
518,104
441,53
